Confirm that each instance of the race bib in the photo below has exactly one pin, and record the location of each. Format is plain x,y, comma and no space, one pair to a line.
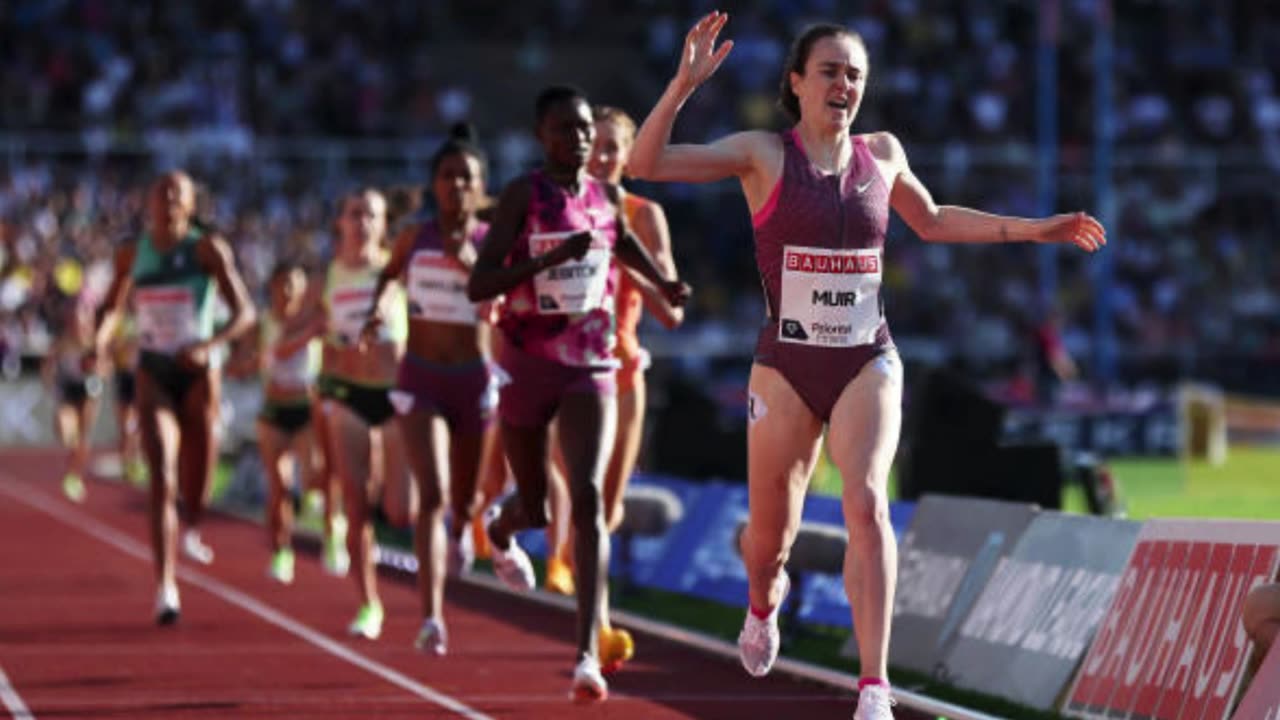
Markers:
166,318
438,289
572,287
295,371
348,311
830,298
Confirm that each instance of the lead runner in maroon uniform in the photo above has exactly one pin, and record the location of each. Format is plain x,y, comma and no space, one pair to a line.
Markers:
820,200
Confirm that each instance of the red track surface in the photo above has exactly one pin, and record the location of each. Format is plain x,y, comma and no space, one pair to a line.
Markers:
77,637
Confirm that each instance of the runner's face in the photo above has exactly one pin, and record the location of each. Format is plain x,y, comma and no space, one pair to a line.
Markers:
835,76
288,288
567,134
610,152
363,220
171,203
459,184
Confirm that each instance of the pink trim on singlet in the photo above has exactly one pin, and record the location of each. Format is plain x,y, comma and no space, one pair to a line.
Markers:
770,205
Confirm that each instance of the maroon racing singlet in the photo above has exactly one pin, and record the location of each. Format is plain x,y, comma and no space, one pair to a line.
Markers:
819,248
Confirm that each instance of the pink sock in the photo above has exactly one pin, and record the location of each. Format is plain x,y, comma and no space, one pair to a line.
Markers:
762,614
864,682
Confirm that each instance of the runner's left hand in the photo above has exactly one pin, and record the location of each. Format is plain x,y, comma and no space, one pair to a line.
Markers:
1079,229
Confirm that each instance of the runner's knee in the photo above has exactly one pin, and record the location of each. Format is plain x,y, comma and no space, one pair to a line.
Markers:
866,505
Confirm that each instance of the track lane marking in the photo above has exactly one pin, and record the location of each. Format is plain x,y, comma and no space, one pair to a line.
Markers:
12,700
95,528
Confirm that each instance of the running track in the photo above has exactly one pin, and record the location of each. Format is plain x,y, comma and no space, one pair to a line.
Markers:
77,637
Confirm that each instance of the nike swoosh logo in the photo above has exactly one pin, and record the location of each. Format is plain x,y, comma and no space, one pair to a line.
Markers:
864,186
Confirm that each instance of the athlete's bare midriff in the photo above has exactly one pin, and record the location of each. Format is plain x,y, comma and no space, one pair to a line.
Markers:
376,365
448,343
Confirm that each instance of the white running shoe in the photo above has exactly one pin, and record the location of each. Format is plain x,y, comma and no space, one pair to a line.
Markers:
513,568
759,640
168,606
432,638
588,683
512,565
194,547
461,554
874,703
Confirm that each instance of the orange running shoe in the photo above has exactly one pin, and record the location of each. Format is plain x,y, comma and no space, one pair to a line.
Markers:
559,577
616,648
480,538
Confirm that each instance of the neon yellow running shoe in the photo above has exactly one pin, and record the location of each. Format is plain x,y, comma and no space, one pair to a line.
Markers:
73,488
281,568
135,471
368,622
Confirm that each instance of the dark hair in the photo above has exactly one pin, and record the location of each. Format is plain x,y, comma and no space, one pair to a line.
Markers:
462,141
798,56
552,96
283,267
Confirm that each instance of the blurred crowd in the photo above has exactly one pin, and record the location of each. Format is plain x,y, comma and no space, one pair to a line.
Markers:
278,105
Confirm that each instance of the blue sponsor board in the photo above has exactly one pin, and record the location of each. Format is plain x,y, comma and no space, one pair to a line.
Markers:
697,556
1151,432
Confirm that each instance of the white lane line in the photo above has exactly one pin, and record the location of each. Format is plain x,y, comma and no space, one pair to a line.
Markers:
110,536
557,699
12,700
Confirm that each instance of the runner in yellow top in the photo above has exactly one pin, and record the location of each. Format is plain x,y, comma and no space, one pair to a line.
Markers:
359,378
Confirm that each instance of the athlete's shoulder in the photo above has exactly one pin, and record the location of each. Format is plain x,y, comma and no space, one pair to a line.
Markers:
760,137
213,250
642,209
757,143
639,203
884,145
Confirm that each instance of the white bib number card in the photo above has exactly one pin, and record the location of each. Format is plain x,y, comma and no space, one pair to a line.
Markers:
166,318
349,312
830,298
575,286
438,289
